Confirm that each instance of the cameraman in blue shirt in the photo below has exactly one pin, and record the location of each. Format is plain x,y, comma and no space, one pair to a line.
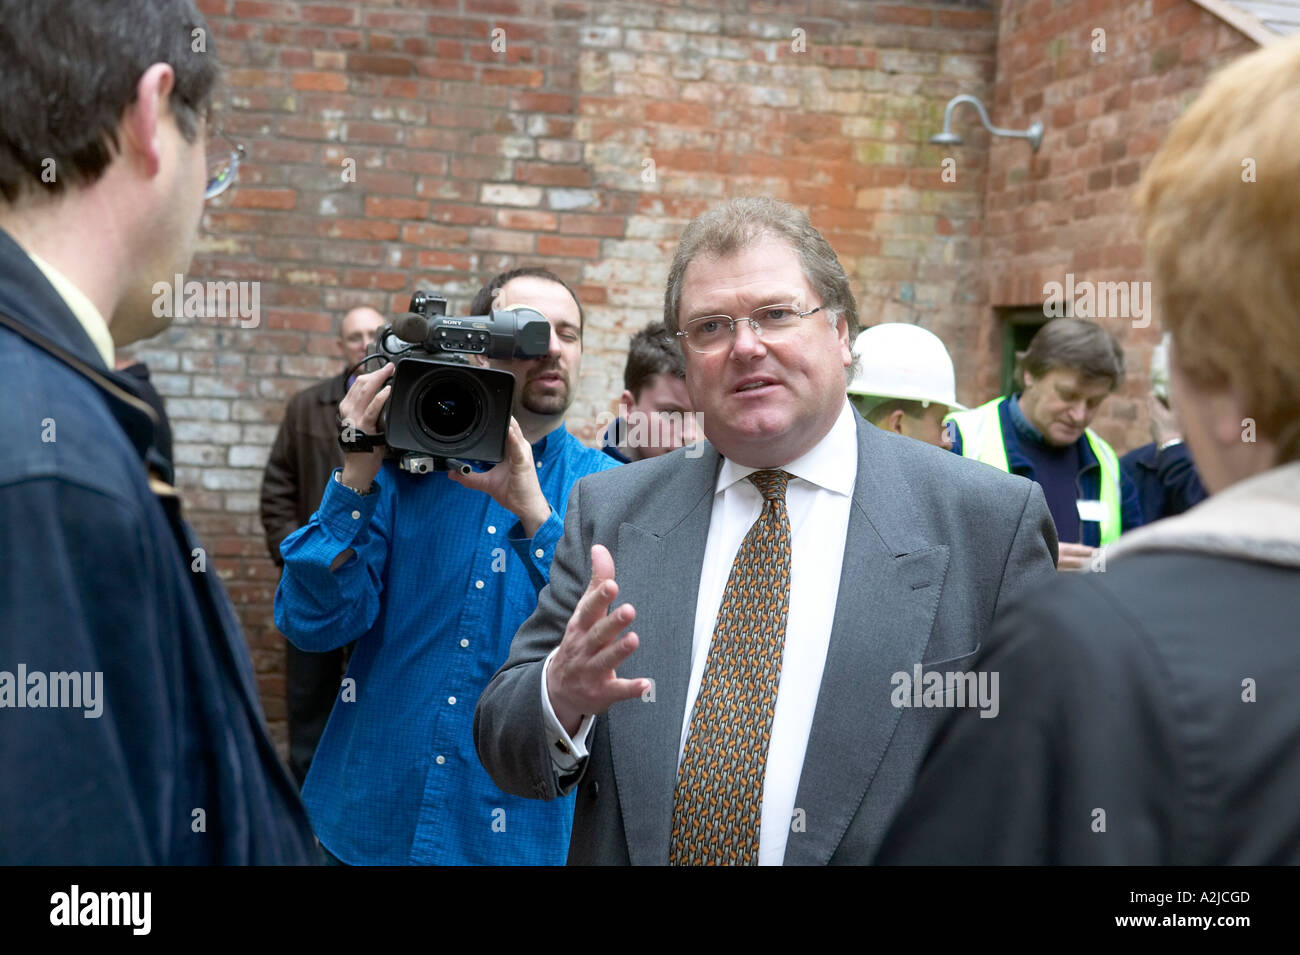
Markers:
432,575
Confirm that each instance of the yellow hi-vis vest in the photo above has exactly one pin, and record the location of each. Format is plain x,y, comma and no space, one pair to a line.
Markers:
981,439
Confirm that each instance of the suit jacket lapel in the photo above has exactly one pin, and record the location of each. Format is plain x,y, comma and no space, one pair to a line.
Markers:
890,583
657,565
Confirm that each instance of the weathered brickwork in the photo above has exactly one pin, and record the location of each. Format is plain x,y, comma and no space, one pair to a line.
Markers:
437,142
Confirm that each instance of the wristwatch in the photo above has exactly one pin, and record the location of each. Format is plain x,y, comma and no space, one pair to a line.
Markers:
338,478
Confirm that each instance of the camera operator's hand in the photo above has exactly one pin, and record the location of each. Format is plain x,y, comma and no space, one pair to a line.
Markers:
581,679
360,407
513,482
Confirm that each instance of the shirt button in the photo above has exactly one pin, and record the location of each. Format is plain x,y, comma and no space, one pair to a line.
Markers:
440,760
451,701
539,552
478,585
539,464
464,642
492,529
356,515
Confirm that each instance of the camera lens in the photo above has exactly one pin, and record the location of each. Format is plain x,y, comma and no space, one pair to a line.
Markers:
449,407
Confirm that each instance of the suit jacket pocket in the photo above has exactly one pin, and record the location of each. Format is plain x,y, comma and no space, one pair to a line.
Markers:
961,661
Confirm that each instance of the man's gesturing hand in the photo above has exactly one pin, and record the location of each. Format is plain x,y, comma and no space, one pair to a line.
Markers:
581,678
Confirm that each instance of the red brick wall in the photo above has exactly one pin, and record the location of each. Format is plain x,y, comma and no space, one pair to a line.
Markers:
1069,209
597,132
470,160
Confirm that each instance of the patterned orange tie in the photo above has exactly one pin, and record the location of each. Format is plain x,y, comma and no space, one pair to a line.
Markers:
718,802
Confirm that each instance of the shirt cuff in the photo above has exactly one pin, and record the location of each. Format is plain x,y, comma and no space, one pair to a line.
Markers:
343,511
341,523
567,753
537,551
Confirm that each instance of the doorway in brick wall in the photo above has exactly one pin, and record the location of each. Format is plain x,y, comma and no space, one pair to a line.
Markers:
1019,325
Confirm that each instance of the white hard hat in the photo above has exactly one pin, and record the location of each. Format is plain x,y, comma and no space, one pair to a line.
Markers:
897,360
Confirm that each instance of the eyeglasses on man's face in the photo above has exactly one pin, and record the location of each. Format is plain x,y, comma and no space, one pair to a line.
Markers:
223,166
715,333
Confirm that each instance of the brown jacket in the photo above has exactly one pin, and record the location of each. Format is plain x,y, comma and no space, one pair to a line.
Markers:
305,453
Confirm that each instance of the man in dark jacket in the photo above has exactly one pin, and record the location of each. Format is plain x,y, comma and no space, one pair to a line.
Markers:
1163,471
130,730
305,454
1148,713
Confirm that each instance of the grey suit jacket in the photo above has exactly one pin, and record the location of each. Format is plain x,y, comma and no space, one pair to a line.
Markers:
937,544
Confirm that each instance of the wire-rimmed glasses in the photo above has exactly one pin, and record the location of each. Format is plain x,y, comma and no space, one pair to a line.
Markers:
714,333
223,168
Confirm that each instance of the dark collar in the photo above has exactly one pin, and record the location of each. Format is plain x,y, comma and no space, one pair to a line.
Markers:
612,440
550,445
27,296
1024,427
1013,437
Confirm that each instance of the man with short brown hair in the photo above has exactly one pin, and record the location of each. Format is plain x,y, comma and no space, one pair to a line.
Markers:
155,752
654,408
1042,433
777,580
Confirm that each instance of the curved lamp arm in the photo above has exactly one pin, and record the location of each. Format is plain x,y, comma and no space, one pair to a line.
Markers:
1034,133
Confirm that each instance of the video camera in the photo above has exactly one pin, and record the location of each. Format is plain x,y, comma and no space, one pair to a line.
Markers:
442,409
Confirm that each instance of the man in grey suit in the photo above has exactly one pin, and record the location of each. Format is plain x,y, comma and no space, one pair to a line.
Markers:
795,587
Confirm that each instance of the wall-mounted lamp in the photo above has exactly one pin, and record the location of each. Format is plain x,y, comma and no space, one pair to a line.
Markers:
948,138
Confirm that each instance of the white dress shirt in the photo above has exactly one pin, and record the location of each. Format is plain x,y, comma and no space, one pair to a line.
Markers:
818,502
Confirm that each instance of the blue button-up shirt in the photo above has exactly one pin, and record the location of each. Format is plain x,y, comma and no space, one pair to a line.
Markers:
441,579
